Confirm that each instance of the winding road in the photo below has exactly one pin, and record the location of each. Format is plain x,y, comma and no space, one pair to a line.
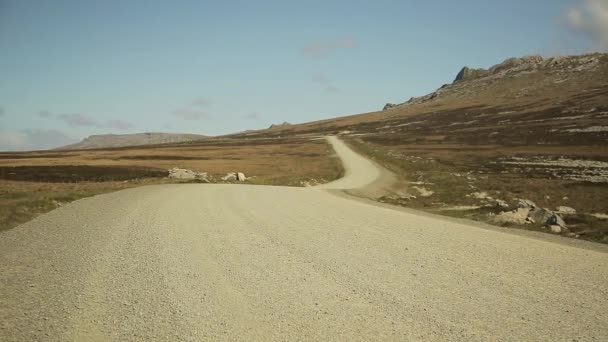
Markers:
260,263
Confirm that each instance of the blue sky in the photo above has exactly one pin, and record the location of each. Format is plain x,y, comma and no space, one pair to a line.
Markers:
69,69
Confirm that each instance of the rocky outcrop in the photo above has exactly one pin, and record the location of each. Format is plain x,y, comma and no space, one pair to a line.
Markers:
467,74
284,124
511,67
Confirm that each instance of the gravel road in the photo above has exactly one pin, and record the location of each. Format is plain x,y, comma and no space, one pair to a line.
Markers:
238,262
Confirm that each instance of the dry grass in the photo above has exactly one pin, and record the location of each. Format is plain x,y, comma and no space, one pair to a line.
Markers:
454,173
36,182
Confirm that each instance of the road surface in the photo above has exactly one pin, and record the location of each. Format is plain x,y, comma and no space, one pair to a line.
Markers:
237,262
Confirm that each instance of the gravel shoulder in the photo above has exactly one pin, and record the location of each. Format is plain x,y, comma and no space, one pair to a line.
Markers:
245,262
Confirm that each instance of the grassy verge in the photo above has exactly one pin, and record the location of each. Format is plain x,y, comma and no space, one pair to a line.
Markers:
468,182
34,183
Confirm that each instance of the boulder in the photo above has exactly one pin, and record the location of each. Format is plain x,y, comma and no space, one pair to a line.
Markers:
241,177
177,173
202,176
540,215
565,210
230,176
501,204
524,203
555,229
518,216
556,220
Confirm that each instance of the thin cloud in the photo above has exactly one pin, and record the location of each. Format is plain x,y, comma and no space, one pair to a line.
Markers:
200,102
33,139
189,114
45,114
119,125
323,48
325,83
590,19
251,116
78,120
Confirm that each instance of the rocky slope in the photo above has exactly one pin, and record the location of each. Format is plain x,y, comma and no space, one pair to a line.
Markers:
139,139
556,69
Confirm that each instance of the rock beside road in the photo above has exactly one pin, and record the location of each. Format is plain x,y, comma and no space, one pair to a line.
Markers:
234,176
178,173
517,216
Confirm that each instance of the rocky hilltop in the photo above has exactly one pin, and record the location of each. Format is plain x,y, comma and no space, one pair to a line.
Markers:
284,124
138,139
554,70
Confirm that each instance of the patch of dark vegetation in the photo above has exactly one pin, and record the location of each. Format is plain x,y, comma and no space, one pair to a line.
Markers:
77,173
33,156
161,157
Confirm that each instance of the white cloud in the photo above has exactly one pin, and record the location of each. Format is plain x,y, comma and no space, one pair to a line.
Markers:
590,19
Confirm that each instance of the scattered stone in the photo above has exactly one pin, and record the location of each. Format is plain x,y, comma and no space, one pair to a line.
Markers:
480,195
501,204
524,203
241,177
423,191
230,176
555,229
565,210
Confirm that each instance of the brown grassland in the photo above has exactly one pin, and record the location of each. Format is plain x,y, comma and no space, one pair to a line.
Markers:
32,183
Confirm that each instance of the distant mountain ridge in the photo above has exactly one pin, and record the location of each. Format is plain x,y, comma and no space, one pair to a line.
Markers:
137,139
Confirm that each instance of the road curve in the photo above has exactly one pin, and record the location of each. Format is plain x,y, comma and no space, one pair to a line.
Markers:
232,262
359,172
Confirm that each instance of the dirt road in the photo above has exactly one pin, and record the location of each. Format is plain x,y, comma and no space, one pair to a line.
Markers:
234,262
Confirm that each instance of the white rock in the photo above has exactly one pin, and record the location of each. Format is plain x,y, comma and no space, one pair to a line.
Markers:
555,229
230,176
502,204
517,216
565,210
241,177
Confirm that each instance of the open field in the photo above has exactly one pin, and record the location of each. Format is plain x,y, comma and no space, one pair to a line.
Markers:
32,183
468,180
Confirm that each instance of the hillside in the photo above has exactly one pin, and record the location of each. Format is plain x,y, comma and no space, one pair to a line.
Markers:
123,140
529,128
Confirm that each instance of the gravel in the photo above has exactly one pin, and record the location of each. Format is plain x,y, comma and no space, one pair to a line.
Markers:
244,262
